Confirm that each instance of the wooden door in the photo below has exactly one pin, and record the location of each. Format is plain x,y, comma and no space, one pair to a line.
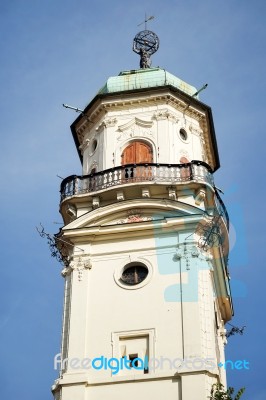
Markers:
92,180
185,172
137,153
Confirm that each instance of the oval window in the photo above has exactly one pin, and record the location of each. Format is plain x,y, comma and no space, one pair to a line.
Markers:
93,146
183,134
133,274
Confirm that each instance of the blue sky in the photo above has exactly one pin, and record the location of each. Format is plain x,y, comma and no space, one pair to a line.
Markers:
55,52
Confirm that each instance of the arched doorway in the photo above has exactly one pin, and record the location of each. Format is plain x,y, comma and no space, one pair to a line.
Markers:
185,172
137,153
92,180
184,160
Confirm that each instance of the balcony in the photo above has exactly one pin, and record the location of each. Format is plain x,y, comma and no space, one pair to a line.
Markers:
168,174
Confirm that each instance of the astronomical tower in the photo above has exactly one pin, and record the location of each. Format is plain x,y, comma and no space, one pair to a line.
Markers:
145,243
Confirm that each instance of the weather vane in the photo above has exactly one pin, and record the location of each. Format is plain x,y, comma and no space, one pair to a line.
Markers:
145,44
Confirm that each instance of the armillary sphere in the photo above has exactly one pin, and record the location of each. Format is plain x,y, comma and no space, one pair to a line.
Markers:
147,41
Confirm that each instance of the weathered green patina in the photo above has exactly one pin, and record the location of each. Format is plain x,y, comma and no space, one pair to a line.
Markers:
145,78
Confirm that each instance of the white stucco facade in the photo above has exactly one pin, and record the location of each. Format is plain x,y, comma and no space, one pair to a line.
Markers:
154,220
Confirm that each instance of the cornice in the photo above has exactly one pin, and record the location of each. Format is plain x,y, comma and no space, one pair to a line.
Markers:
118,104
102,104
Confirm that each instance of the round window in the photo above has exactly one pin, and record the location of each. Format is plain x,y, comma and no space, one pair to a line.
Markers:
133,274
183,134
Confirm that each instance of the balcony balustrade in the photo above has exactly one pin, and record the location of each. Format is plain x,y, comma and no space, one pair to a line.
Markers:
170,174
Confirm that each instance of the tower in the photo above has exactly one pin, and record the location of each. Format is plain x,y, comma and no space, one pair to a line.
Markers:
145,242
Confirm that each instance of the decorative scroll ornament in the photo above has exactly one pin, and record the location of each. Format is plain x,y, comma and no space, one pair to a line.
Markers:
135,128
142,133
195,130
186,251
78,264
135,121
106,123
84,145
165,114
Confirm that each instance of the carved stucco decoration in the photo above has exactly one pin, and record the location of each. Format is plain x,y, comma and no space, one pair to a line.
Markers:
195,130
135,128
106,123
134,216
82,131
188,251
85,138
165,114
84,145
79,264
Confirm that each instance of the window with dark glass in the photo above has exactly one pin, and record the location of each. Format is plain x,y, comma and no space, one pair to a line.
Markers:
134,274
183,134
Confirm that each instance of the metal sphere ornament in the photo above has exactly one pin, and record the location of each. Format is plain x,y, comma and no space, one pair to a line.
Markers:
145,44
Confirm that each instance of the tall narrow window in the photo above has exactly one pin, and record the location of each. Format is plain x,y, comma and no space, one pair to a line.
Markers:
135,350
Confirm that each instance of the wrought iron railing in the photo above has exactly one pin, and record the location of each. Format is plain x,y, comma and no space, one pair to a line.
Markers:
196,171
221,208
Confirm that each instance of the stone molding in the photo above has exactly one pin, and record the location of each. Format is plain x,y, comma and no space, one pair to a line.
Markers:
79,264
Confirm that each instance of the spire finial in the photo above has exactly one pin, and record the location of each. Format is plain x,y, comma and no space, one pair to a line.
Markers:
146,20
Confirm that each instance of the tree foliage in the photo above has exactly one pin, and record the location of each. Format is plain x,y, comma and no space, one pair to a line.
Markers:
218,392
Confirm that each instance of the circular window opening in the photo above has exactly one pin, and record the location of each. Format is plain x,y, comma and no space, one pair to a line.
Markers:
133,274
183,134
94,146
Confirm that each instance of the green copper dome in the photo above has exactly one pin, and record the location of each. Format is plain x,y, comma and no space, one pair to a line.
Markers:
145,78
